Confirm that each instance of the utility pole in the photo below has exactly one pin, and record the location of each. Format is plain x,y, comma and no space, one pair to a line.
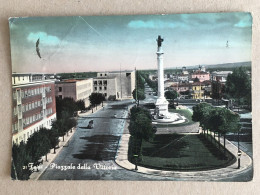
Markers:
121,82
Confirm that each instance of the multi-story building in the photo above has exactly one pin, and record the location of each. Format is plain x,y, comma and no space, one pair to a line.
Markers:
75,88
201,75
201,90
220,76
33,105
183,77
119,84
181,87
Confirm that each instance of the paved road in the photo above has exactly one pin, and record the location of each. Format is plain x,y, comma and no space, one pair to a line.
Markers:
96,149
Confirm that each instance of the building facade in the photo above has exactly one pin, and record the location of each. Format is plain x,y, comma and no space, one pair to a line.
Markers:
74,88
119,84
220,76
201,75
201,90
33,105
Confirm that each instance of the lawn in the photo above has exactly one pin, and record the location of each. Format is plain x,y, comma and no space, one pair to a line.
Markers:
183,112
182,152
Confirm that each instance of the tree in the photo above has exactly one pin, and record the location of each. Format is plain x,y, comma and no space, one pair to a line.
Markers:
171,95
96,99
65,105
59,125
38,145
54,138
201,113
217,89
238,85
20,161
139,96
80,105
196,80
140,128
230,123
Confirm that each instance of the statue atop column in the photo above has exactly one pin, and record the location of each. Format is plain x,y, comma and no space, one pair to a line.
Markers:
159,41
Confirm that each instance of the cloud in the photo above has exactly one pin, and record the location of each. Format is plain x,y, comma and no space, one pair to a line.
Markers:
244,22
151,24
45,39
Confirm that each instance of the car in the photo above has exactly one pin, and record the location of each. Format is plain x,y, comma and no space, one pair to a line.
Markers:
90,125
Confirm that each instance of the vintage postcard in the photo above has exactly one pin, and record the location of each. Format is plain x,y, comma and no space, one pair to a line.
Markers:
138,97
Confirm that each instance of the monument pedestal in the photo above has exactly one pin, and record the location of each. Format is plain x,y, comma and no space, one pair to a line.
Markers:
161,107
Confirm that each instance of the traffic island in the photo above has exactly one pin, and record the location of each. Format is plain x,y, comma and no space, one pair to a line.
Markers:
214,174
182,153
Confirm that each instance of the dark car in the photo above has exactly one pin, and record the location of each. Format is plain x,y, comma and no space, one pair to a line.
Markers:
90,124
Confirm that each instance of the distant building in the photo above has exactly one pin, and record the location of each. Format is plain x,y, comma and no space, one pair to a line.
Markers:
183,77
119,84
220,76
33,104
184,71
181,87
75,88
201,75
201,90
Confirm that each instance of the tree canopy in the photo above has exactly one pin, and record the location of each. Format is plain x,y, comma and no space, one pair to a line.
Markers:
238,85
96,98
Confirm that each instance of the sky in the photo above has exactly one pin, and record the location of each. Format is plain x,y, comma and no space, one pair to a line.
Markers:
108,43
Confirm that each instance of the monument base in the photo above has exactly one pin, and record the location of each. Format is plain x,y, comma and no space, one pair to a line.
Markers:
162,116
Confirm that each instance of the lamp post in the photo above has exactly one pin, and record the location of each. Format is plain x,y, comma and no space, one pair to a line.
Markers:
136,157
238,158
238,150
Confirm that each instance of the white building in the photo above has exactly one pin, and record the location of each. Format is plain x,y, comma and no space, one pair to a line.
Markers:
119,84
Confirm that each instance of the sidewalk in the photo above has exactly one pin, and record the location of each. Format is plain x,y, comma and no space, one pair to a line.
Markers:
51,156
90,111
210,175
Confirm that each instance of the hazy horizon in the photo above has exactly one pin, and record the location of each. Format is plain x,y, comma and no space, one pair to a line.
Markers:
106,43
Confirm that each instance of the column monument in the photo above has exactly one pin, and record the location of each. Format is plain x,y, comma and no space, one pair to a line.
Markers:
161,111
161,102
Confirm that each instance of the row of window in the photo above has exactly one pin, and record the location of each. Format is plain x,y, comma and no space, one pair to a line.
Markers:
30,92
32,105
100,82
25,136
100,88
29,120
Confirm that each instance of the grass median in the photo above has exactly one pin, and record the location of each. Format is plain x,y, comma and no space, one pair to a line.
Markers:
182,152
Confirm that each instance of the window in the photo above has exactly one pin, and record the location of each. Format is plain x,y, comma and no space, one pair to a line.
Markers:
14,95
30,106
100,88
60,96
95,88
105,94
101,75
60,89
105,88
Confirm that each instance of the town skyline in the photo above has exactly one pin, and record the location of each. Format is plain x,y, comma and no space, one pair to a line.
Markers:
109,43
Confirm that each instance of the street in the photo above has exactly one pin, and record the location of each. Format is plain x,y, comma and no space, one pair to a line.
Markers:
96,149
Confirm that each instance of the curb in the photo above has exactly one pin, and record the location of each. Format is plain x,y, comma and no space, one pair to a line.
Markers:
215,174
